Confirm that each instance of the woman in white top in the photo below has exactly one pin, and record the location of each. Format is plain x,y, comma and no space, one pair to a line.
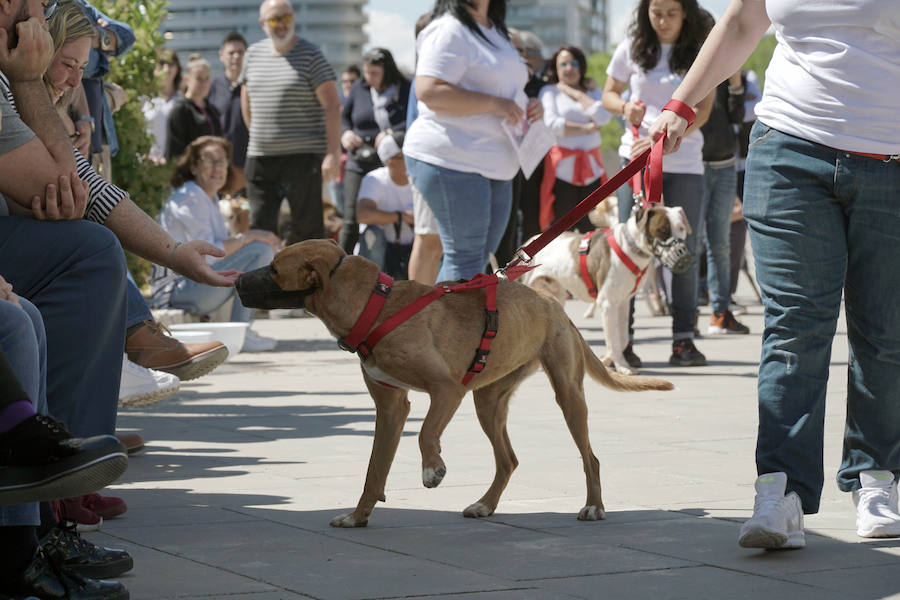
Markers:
664,38
156,111
192,213
469,79
574,167
820,198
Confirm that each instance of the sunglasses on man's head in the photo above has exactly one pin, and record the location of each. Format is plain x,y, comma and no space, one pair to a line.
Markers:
50,8
280,20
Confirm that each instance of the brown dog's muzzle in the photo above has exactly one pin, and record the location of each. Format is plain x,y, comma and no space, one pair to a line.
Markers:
257,289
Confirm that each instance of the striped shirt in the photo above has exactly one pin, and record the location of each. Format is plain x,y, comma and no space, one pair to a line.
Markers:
102,195
285,114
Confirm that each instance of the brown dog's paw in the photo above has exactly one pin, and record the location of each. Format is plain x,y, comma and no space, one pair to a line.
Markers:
591,513
348,520
478,510
431,478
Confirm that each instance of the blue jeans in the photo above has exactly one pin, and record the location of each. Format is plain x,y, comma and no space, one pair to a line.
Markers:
684,190
74,273
24,343
824,223
136,310
200,299
719,188
471,213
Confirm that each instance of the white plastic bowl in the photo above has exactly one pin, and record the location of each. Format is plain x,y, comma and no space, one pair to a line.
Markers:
192,337
231,334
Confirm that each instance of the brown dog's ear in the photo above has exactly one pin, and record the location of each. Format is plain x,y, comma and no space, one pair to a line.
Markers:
317,273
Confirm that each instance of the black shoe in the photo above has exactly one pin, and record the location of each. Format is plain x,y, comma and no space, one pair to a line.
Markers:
685,354
65,546
40,460
49,581
633,360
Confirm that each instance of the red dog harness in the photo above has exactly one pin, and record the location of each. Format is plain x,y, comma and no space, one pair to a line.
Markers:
355,342
585,246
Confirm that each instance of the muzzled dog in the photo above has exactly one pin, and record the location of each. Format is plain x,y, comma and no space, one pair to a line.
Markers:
656,231
431,351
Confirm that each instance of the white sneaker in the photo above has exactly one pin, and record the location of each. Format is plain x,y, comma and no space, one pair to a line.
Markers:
777,520
253,342
876,505
142,386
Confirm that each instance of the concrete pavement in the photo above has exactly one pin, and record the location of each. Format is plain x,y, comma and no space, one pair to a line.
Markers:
244,469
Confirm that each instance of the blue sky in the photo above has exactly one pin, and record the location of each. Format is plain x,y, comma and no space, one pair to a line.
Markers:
391,23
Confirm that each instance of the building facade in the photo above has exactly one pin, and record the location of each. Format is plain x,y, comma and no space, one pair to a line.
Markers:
581,23
336,26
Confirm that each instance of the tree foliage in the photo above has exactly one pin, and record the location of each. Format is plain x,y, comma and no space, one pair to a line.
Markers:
146,182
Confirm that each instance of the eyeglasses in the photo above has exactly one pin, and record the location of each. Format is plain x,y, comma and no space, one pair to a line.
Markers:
50,8
213,162
570,63
349,80
284,19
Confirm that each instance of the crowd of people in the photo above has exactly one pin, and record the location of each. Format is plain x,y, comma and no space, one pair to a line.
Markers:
425,177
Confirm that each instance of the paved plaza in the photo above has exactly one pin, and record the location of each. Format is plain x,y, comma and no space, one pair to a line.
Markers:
244,469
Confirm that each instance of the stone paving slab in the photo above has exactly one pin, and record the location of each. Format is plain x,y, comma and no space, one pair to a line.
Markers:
245,467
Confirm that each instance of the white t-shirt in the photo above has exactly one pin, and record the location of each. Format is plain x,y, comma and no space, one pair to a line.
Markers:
559,108
834,78
655,88
378,186
156,112
449,51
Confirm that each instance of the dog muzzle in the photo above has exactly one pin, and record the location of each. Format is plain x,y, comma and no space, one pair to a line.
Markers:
674,254
257,290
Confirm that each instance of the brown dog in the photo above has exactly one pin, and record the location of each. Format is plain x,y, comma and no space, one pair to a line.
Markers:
432,351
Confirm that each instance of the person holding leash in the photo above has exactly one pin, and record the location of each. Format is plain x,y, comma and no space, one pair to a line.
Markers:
820,201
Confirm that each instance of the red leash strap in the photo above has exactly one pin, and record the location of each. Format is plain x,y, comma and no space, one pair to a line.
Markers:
626,260
682,110
377,298
584,246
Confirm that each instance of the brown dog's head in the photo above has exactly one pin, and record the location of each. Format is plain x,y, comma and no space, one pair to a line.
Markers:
295,273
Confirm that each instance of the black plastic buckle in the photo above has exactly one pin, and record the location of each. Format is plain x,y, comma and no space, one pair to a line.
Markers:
491,323
382,289
364,352
345,346
480,361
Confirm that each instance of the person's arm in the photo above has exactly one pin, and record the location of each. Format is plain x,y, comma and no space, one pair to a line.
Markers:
350,140
176,131
444,97
612,101
245,105
368,213
728,45
327,94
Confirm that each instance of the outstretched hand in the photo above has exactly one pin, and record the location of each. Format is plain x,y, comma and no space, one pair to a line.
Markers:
188,259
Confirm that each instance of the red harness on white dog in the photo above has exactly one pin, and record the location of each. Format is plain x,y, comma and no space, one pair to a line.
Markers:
354,341
585,246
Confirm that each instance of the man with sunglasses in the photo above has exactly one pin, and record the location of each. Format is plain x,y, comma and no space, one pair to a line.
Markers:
290,103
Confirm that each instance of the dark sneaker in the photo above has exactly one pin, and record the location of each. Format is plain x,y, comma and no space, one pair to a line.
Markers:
49,580
40,460
65,546
633,360
685,354
724,322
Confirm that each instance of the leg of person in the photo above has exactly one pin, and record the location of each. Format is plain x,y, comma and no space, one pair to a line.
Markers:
568,196
625,197
425,258
511,240
336,189
737,243
500,202
373,245
263,191
798,234
685,190
530,203
463,215
70,270
303,174
720,185
350,230
871,455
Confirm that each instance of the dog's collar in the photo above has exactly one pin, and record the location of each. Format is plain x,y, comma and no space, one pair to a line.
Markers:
633,246
335,267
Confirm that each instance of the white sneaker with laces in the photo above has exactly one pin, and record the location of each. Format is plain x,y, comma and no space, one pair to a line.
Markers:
777,521
876,505
141,386
253,342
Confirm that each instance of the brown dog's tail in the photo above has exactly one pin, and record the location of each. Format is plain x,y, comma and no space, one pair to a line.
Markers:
613,379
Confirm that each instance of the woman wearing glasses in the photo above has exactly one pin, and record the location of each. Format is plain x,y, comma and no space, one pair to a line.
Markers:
192,213
574,167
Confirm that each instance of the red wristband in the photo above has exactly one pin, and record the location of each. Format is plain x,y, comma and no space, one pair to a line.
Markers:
681,109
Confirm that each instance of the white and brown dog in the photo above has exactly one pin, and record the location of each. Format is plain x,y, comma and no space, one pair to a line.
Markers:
605,267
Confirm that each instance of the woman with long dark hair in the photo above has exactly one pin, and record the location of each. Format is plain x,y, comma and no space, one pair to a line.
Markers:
469,79
574,166
375,106
663,41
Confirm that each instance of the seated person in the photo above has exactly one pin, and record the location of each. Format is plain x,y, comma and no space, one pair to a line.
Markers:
192,213
385,211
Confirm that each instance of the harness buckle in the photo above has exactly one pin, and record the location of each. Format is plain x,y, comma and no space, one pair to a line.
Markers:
491,323
345,346
480,360
364,352
382,289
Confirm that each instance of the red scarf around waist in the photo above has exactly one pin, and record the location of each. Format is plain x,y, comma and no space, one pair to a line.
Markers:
581,173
